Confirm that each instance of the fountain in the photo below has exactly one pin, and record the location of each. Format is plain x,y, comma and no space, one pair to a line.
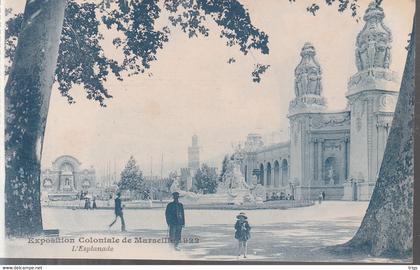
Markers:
233,184
233,188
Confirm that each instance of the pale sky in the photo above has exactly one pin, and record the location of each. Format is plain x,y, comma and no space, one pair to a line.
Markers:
194,91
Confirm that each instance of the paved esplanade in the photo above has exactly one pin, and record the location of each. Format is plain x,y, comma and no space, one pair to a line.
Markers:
284,235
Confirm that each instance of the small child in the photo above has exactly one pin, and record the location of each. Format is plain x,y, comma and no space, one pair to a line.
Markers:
242,233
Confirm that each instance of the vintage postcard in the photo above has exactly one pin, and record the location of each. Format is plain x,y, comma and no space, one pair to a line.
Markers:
208,130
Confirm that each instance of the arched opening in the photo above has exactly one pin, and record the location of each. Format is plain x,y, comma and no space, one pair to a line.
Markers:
332,176
269,182
261,176
66,177
284,173
276,174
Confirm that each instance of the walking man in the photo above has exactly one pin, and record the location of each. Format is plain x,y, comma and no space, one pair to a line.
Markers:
118,212
175,219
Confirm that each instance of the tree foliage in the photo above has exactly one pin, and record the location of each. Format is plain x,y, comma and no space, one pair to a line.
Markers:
259,69
342,6
131,177
205,180
141,40
82,60
224,167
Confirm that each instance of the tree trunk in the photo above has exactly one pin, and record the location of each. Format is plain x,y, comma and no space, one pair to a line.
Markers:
387,228
27,97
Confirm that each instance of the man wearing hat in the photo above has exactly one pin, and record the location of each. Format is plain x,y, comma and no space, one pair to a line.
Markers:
175,219
118,212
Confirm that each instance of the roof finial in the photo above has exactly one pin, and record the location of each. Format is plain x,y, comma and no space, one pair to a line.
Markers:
308,73
373,45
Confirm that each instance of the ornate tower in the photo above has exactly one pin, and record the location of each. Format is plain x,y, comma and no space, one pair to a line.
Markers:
372,94
194,154
308,101
373,44
308,86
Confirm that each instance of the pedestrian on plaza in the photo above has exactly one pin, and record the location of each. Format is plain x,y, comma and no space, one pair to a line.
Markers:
175,219
118,212
94,206
320,198
323,195
87,204
242,233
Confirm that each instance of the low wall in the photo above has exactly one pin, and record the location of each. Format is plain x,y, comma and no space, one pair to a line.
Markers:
312,193
157,204
266,205
100,204
361,191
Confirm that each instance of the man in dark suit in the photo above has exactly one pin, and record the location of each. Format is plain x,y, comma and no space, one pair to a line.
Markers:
118,212
175,219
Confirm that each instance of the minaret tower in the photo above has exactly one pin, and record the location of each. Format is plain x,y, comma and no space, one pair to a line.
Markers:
194,154
372,95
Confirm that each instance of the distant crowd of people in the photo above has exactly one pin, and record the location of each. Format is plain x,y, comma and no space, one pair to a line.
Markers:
278,196
90,202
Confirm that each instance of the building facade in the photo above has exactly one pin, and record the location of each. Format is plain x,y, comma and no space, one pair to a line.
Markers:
67,177
339,153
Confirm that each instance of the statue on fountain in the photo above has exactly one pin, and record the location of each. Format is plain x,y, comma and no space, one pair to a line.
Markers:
233,182
233,178
232,189
175,187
